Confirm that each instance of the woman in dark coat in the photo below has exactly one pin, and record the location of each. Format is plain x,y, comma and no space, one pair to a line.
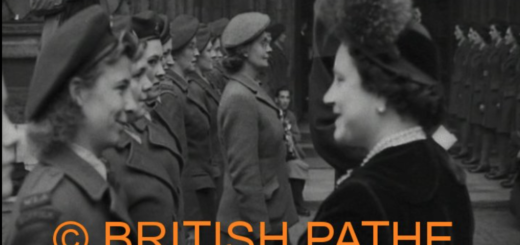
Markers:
76,109
465,95
497,53
463,48
477,79
386,105
206,161
256,186
148,159
510,71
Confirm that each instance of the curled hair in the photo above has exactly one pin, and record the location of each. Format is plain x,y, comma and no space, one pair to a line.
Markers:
60,120
464,28
235,59
421,102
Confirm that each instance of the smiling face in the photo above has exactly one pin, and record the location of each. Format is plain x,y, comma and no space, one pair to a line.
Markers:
207,58
104,105
9,140
356,109
155,71
259,51
187,58
141,87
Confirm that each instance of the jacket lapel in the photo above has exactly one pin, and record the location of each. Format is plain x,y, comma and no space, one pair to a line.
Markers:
136,162
260,94
177,80
207,87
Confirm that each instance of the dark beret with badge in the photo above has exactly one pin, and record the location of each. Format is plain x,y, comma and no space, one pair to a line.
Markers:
217,27
182,30
244,28
78,44
146,25
203,37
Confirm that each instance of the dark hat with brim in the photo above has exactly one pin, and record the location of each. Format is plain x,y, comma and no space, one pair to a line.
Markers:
217,27
164,28
276,30
81,42
244,28
146,25
203,37
183,29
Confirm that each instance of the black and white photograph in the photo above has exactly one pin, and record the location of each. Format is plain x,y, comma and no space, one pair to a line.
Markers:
260,122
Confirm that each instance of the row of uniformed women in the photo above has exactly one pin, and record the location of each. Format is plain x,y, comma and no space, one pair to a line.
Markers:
484,87
125,122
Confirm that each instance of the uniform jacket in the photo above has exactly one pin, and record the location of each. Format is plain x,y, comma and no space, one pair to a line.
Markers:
150,171
496,57
466,94
510,72
478,78
66,188
457,76
256,187
170,110
218,78
211,100
405,184
203,170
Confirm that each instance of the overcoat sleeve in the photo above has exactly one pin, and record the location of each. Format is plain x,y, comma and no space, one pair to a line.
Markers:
239,120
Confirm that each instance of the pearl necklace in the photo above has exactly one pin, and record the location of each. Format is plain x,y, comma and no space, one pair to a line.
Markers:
397,139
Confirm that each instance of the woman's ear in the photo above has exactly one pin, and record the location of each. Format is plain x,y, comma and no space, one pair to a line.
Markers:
77,91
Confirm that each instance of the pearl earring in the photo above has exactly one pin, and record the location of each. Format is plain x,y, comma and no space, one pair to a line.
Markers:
380,110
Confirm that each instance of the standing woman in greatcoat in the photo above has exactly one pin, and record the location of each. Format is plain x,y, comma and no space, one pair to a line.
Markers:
203,185
492,97
466,95
509,92
76,110
256,186
217,76
386,105
476,108
457,77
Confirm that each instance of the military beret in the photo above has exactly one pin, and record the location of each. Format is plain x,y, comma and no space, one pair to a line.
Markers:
164,28
183,29
146,25
84,39
276,30
244,28
203,36
217,27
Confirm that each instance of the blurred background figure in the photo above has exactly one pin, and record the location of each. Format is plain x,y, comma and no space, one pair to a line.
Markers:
298,169
278,74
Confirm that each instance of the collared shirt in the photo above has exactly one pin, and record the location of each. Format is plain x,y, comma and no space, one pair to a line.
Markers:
91,159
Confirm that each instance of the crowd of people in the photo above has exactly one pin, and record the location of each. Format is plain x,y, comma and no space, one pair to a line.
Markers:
139,119
124,115
484,98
